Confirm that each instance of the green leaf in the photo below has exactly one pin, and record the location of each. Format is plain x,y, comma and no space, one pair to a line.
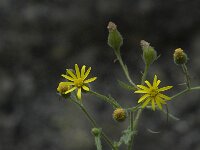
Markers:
126,137
113,101
126,86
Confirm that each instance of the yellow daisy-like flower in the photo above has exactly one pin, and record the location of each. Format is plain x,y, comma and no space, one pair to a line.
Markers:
152,94
78,80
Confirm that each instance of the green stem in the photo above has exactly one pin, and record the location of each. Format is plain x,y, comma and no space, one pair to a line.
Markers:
125,69
180,93
185,91
131,125
106,99
94,124
135,124
195,88
144,76
187,76
139,112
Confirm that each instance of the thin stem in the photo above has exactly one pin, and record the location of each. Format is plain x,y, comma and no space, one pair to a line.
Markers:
144,76
195,88
106,99
187,76
139,112
94,124
131,125
135,123
185,91
125,69
180,93
108,141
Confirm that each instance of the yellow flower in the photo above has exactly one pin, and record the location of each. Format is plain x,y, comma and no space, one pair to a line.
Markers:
152,94
78,80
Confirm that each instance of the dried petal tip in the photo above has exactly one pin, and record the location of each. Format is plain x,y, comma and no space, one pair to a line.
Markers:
149,53
115,39
119,114
180,57
111,26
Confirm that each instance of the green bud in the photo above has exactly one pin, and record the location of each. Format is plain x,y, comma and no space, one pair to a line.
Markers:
115,39
149,53
96,131
180,57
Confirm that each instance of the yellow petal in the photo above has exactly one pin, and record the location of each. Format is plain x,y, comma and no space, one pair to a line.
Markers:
79,93
158,103
141,91
153,105
85,88
67,77
155,81
160,100
165,88
158,82
164,96
83,71
143,87
149,84
90,80
72,89
71,74
77,71
146,102
87,73
143,98
69,83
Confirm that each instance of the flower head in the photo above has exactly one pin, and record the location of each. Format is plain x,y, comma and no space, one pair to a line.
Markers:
180,56
119,114
153,94
78,80
63,87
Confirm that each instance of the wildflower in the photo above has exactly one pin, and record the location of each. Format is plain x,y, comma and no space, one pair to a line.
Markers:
180,57
63,87
78,80
152,94
119,114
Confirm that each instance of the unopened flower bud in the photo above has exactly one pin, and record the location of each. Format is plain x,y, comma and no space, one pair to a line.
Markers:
119,114
96,131
115,39
149,53
63,87
180,57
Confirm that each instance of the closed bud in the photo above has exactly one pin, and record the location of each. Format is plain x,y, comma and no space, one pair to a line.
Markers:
119,114
115,39
96,131
180,57
149,53
62,88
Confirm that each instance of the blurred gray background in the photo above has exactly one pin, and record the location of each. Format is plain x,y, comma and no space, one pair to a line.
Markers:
39,39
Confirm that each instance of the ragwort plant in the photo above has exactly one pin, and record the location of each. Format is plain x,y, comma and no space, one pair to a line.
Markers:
151,95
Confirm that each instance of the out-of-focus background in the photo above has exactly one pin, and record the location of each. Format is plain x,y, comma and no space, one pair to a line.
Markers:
40,39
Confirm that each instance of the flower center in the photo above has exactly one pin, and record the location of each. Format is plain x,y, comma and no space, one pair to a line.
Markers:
78,82
153,93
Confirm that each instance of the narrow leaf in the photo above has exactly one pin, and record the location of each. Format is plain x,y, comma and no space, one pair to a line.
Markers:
126,86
